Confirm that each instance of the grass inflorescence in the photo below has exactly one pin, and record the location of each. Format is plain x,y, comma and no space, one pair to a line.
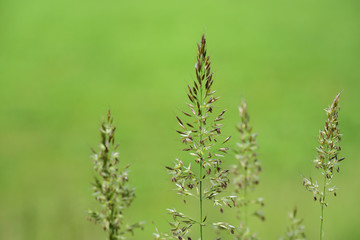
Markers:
201,134
295,230
200,173
327,161
111,188
246,173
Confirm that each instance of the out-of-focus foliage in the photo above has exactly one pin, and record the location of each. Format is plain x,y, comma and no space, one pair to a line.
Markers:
111,187
295,229
246,173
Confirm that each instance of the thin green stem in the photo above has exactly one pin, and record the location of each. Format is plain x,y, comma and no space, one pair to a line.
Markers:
322,209
245,199
200,166
201,206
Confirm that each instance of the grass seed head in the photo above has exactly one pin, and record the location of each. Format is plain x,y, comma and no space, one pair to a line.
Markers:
200,128
111,188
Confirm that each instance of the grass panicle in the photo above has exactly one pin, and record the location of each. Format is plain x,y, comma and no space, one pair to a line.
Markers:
246,173
295,230
327,161
111,188
201,176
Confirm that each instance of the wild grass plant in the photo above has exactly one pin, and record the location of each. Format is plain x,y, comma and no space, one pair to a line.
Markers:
246,174
111,188
327,161
295,230
201,175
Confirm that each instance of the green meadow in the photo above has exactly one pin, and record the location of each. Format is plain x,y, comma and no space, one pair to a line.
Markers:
63,64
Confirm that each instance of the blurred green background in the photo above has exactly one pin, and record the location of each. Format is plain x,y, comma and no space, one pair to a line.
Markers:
64,63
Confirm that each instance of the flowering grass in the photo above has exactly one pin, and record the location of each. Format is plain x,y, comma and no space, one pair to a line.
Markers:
111,188
204,174
327,161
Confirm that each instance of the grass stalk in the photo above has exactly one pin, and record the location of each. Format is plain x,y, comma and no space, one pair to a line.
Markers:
111,188
201,209
322,201
201,133
246,172
245,198
295,229
327,161
200,170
